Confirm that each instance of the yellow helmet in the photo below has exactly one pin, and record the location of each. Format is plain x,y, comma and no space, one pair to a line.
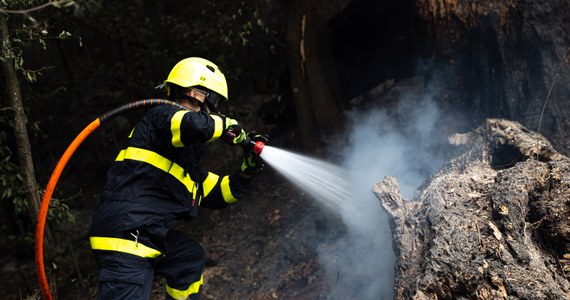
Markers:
196,71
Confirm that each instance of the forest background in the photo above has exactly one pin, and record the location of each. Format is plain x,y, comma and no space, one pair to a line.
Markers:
298,70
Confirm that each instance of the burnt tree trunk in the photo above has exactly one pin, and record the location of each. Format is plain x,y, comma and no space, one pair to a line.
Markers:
507,59
492,224
317,92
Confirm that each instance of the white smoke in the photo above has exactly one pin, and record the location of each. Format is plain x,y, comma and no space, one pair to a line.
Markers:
402,143
381,146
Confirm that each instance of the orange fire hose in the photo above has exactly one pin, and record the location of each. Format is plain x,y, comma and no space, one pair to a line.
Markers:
42,215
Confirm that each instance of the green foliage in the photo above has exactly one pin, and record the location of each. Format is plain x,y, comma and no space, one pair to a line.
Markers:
25,31
13,199
125,49
11,181
155,35
59,213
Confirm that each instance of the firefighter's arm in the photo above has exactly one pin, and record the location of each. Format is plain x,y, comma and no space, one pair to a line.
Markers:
189,127
221,191
232,132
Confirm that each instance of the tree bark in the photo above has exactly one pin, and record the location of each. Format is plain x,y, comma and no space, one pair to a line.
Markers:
510,56
492,224
24,151
317,92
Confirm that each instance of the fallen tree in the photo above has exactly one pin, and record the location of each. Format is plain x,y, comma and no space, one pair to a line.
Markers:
492,224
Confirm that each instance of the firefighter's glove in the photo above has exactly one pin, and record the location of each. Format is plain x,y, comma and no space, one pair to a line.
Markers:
232,133
252,164
256,137
252,138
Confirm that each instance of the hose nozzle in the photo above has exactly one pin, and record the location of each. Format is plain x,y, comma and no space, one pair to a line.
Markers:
254,144
258,147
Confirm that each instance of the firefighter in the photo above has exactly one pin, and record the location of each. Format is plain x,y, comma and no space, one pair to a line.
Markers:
157,179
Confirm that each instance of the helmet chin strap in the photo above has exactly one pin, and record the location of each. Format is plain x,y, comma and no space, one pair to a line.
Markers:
203,106
212,100
210,106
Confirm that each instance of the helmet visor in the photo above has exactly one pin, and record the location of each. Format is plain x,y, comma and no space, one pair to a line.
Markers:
197,94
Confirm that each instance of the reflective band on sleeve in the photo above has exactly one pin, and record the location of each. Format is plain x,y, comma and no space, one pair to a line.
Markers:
210,183
218,127
159,162
183,294
226,191
122,245
175,124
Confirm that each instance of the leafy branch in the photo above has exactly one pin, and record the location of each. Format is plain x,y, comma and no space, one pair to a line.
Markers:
58,4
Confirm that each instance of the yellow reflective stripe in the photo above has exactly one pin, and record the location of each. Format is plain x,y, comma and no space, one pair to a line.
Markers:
131,134
183,294
218,127
121,155
179,173
146,156
175,124
122,245
226,191
210,183
159,162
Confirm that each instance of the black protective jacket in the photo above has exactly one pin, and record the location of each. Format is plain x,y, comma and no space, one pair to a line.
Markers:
157,178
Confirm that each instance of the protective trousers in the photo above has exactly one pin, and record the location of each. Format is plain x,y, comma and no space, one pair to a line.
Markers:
127,276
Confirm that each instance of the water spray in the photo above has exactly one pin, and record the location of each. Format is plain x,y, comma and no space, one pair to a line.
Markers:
325,182
365,246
